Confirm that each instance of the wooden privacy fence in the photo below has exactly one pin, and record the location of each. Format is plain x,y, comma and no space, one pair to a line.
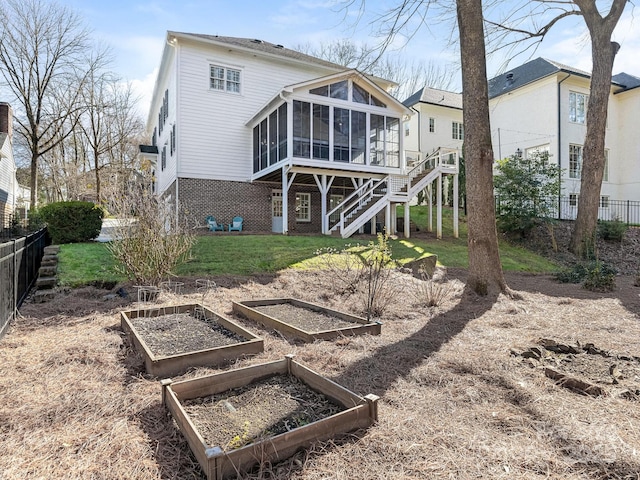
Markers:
19,263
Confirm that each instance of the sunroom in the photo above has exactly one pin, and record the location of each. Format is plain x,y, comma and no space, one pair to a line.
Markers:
335,131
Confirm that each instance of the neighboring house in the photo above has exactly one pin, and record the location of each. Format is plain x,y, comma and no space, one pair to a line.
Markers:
542,105
437,122
8,182
289,142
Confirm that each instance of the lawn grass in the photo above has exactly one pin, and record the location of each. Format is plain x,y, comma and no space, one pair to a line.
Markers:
86,263
223,254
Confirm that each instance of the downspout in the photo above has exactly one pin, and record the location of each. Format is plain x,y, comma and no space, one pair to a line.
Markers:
560,148
173,42
419,128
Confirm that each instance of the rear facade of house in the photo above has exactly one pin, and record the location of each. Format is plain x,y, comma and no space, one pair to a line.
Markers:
288,142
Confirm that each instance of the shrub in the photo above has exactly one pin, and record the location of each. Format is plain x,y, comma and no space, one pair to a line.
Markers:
601,277
595,275
363,271
612,230
524,187
72,222
150,244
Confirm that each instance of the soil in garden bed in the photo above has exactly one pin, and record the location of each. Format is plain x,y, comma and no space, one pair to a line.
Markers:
181,332
304,318
259,410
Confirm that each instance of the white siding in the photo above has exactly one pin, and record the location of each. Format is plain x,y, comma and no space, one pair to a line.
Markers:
214,141
165,177
525,118
7,174
624,165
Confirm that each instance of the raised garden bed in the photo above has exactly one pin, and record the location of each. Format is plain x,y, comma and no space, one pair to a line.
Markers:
304,320
173,339
263,413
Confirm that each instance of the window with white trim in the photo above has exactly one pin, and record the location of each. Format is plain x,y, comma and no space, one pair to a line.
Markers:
573,199
457,130
432,125
303,207
575,161
578,107
604,201
224,79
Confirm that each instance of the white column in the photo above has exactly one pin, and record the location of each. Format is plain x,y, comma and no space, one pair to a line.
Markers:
430,203
387,218
455,206
439,213
285,202
407,219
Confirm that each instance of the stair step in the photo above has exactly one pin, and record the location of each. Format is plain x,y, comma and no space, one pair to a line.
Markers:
47,271
46,282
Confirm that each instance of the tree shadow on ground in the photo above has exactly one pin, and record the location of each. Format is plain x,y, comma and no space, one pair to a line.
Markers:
592,458
626,291
378,371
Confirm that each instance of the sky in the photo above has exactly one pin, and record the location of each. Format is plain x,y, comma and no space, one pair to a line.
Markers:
135,30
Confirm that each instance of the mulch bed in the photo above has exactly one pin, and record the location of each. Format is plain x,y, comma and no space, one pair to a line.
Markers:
259,410
303,318
181,332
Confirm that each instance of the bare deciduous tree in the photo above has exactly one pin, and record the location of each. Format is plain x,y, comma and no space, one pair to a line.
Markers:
42,55
540,17
485,269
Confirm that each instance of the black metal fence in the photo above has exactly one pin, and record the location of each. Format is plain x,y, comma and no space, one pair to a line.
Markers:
566,208
19,263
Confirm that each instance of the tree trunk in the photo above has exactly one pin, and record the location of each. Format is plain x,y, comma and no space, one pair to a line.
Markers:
603,52
485,270
34,181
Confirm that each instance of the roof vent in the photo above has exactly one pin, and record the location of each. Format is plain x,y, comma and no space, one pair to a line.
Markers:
509,81
279,46
510,76
257,40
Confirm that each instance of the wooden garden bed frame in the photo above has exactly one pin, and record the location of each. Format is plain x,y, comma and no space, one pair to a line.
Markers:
361,325
361,412
165,366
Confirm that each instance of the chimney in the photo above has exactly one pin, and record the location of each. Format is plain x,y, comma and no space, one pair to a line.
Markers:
6,119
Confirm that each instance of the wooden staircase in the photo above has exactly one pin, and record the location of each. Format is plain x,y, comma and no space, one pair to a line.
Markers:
374,195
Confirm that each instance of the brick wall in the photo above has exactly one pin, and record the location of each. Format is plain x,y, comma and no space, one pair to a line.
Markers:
252,201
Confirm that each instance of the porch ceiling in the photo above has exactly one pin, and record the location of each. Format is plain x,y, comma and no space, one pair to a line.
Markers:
305,179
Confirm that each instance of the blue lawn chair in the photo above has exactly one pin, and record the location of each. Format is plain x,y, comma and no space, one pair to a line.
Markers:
236,224
213,225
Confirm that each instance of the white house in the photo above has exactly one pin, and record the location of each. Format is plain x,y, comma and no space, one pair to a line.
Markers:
8,182
437,121
541,105
291,143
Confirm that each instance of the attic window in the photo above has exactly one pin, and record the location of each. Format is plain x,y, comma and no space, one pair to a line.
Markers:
225,79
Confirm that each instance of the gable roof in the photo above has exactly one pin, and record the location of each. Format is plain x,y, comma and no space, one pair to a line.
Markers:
326,80
257,45
433,96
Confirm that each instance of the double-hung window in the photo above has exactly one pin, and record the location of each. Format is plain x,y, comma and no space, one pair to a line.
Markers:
575,161
303,207
457,131
578,107
432,125
225,79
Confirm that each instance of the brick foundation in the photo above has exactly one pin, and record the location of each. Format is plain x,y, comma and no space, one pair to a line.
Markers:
252,201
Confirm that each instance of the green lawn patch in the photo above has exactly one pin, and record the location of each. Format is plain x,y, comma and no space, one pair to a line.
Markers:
89,263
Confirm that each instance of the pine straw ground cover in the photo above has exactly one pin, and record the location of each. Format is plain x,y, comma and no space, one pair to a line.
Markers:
455,402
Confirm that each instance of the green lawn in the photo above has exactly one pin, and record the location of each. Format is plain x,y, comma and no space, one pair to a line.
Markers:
253,254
